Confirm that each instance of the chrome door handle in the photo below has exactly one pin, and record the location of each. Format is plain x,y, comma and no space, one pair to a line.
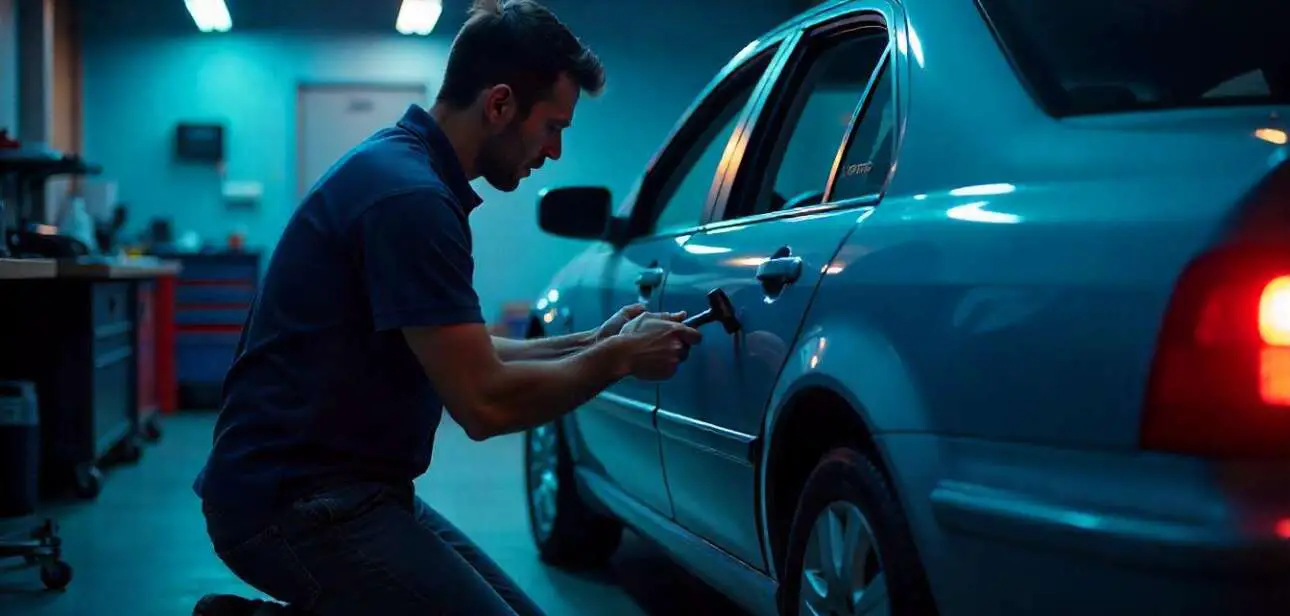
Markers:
649,278
780,270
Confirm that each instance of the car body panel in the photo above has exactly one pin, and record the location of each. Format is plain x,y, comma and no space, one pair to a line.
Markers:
617,426
992,322
712,410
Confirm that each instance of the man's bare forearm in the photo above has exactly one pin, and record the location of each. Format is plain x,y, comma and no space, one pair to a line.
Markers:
537,349
529,393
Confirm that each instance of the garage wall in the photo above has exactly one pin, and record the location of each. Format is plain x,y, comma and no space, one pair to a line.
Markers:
8,67
140,81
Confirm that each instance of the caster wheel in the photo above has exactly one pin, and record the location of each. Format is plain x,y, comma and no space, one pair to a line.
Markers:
130,452
46,531
89,481
152,429
56,575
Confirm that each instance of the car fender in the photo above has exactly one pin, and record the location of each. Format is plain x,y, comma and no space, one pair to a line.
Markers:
838,353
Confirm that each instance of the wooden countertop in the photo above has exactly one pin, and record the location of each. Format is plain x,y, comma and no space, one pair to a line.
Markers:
117,269
28,269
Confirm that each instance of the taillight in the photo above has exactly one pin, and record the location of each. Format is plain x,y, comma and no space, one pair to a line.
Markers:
1274,329
1220,385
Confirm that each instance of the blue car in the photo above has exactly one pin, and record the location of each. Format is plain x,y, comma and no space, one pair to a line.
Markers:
1011,317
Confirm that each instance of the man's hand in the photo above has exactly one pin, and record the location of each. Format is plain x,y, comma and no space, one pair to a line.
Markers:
658,343
614,324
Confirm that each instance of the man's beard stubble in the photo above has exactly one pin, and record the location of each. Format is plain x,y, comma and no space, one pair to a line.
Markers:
493,163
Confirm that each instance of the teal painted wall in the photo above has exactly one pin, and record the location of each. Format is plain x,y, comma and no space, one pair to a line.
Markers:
8,67
141,79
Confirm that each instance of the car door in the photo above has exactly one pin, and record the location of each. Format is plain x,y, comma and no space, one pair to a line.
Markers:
618,435
818,160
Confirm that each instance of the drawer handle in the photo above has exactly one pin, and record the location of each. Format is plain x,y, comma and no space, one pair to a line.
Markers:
113,357
113,329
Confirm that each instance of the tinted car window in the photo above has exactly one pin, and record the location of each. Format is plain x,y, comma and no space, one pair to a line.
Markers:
815,121
867,159
1120,55
691,182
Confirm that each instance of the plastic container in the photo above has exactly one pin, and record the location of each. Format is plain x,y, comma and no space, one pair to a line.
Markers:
19,448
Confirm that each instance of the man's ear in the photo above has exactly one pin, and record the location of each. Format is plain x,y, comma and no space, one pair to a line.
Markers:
500,105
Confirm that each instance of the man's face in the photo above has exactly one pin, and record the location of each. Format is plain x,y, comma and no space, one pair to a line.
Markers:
517,146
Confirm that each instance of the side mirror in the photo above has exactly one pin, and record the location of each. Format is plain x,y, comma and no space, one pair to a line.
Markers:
579,212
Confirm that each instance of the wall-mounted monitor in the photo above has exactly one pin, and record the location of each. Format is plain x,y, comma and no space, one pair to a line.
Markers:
199,142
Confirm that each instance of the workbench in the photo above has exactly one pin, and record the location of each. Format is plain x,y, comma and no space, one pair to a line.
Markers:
85,332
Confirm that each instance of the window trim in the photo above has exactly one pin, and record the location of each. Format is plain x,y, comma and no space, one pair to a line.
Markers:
836,24
884,64
1038,84
645,209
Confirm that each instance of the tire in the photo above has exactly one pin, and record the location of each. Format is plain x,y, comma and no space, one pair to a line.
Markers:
567,532
850,490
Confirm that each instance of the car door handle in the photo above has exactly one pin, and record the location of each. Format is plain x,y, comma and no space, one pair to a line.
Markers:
650,277
780,270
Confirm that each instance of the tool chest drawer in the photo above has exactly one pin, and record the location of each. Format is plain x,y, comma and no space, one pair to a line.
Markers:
213,295
75,339
110,302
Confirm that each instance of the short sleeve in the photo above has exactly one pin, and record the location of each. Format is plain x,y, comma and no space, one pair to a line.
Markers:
416,258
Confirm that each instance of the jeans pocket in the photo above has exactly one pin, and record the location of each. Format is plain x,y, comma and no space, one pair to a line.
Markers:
339,505
268,563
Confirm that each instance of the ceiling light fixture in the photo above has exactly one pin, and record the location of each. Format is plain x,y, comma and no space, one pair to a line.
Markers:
418,16
210,15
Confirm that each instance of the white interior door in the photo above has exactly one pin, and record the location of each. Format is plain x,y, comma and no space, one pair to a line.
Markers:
334,119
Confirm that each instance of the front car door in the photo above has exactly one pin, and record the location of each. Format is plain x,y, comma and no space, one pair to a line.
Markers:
618,436
818,159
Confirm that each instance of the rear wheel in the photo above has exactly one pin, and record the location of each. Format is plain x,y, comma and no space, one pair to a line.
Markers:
850,551
568,533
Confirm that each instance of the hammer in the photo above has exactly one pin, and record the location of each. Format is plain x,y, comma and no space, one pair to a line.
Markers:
719,309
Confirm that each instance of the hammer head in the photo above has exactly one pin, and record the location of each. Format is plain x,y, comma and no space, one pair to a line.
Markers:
722,310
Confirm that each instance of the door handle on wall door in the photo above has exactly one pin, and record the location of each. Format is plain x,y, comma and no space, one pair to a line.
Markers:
649,278
780,270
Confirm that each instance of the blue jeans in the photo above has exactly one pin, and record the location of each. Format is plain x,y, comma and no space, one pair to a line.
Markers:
366,549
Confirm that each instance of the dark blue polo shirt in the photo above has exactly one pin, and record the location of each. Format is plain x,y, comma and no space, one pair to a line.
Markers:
323,387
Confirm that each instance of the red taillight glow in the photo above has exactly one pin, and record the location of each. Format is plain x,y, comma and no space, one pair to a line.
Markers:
1220,384
1274,313
1274,329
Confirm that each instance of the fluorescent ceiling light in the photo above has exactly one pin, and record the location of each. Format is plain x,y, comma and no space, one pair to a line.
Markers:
210,15
418,16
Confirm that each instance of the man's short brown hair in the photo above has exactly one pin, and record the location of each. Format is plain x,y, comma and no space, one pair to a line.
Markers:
519,43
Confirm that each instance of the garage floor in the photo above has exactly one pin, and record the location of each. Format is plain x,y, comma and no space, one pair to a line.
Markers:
140,549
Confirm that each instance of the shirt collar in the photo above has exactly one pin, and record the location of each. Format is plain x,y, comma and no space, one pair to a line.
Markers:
444,159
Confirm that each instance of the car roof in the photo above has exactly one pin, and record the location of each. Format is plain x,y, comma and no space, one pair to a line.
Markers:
809,16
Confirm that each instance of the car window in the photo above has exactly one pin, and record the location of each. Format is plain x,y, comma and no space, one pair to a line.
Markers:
1107,56
830,84
688,187
866,161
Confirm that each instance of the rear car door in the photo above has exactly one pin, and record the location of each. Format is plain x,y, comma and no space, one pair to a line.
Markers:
619,439
818,160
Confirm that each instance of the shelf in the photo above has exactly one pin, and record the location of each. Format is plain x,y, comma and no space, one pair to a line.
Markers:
44,163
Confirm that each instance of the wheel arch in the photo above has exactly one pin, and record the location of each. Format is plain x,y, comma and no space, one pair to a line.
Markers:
817,415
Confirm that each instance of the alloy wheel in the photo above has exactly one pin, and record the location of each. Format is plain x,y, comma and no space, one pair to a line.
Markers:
842,573
544,483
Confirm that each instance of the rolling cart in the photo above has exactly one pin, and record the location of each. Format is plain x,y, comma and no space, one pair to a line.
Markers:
19,467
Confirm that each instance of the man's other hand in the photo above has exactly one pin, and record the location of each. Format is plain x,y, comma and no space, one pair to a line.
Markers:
658,343
614,325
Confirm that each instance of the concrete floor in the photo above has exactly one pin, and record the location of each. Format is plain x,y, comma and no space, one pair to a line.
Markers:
140,548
